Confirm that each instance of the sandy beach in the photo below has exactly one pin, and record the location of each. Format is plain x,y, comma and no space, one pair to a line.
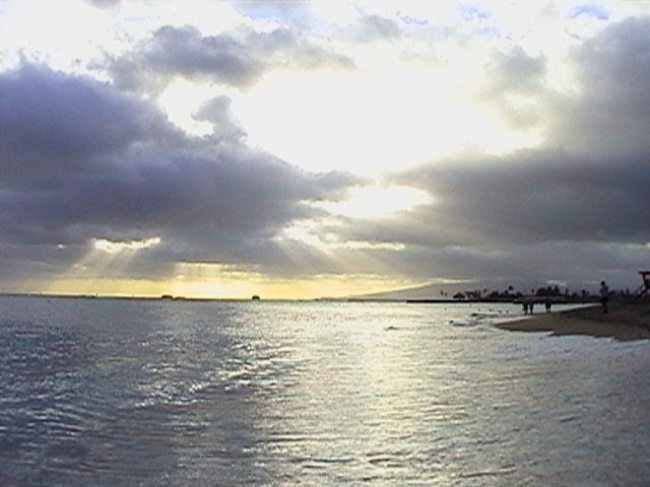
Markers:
622,322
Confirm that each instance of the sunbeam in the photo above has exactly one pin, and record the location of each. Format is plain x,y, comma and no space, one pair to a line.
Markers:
106,260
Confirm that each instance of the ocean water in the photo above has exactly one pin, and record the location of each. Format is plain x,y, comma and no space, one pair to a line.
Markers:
99,392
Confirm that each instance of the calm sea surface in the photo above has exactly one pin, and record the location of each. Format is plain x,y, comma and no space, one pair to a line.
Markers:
115,393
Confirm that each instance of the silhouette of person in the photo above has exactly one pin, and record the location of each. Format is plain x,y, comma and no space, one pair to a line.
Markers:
604,295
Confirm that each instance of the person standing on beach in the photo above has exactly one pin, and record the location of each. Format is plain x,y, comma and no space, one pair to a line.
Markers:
604,295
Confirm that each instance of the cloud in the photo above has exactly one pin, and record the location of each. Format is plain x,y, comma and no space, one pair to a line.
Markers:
236,59
590,10
82,160
289,11
217,111
544,195
610,114
104,3
52,121
515,71
375,27
515,82
575,207
529,216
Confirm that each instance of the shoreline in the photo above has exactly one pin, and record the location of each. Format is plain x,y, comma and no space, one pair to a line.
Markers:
623,322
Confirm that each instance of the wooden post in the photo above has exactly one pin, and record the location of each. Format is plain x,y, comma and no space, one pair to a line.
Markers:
643,290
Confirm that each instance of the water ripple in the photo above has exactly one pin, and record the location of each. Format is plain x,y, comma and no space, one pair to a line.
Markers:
109,392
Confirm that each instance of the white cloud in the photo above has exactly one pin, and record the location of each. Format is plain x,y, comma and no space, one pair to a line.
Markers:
214,126
116,246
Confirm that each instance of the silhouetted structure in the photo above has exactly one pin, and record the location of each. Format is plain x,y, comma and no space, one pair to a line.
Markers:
644,290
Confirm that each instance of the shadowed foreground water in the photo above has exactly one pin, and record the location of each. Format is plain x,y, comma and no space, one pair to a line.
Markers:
157,393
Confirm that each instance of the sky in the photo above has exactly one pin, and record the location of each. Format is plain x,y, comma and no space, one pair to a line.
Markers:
303,149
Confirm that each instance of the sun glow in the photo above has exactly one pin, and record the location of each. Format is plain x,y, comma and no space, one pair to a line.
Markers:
214,280
116,246
106,269
372,121
312,243
103,269
181,100
376,201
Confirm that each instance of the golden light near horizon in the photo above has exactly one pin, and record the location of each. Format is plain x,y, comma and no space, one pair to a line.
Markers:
225,281
307,242
308,247
102,269
307,238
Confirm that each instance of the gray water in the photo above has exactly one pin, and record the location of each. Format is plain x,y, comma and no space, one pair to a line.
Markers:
114,393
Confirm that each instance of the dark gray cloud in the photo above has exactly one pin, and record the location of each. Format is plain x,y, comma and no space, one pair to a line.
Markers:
53,122
217,112
523,199
239,58
579,265
82,160
528,217
608,112
183,50
611,113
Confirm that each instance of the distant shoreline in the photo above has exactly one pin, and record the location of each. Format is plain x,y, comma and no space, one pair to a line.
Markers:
623,322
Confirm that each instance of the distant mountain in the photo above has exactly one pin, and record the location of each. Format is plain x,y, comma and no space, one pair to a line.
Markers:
447,290
428,291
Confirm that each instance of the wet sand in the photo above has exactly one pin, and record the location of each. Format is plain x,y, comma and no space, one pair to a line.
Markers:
622,322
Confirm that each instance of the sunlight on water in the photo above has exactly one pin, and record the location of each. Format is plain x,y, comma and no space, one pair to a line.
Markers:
117,392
